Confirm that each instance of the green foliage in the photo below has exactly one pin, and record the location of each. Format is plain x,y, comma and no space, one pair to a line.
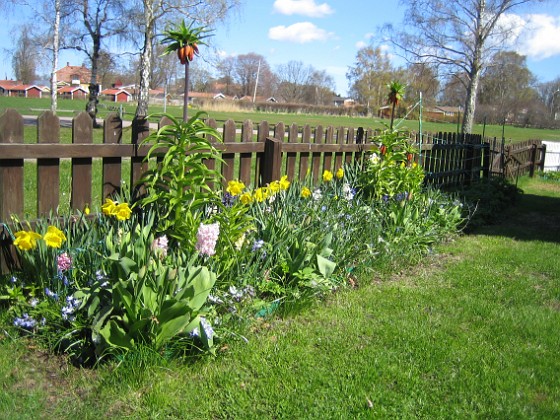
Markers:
178,188
184,35
144,297
550,175
392,169
411,226
487,199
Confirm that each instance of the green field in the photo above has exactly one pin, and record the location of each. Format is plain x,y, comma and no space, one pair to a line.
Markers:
31,106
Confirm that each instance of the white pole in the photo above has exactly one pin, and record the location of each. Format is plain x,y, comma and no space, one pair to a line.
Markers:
256,82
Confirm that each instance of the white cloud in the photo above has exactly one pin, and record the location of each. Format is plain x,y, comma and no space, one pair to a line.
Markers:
361,44
302,7
301,33
535,35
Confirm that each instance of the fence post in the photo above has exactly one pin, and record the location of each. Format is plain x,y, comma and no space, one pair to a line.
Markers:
486,161
140,130
11,171
542,157
533,160
271,161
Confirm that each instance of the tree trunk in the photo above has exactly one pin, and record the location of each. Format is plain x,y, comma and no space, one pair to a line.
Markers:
93,97
145,77
56,46
146,61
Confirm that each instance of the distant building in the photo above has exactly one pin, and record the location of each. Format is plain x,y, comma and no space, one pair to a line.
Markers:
16,88
73,92
74,76
117,95
442,112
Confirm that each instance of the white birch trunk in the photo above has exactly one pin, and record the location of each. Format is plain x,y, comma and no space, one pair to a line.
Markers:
56,46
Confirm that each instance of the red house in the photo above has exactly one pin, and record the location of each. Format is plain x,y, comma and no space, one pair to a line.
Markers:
73,92
15,88
117,95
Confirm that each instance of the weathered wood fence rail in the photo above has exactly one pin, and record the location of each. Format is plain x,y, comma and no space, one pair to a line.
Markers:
256,157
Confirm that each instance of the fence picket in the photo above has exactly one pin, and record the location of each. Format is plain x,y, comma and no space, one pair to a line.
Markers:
246,159
316,157
11,171
112,166
48,172
82,132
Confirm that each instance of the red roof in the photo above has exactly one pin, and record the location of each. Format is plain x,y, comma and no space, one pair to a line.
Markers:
115,92
71,89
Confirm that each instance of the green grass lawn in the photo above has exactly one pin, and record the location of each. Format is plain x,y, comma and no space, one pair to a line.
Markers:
472,332
34,106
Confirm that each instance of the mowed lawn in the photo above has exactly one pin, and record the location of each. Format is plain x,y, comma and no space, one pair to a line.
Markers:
472,332
225,111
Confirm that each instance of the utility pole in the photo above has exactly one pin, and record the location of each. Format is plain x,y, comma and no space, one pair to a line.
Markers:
256,82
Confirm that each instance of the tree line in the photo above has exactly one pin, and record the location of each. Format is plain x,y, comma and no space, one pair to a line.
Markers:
455,54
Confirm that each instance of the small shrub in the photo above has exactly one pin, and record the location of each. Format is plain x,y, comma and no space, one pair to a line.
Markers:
487,199
392,170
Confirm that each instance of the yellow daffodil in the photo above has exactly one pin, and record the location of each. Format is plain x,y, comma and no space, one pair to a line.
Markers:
340,173
327,176
86,210
284,183
122,211
274,187
246,198
108,208
54,237
305,192
235,187
26,240
260,194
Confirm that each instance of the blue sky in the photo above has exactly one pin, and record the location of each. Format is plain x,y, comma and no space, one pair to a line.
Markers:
328,33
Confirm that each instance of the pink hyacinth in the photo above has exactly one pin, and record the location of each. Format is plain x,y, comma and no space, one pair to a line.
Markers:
160,245
206,238
64,262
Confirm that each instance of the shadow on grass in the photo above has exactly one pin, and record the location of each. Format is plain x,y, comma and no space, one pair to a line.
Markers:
532,218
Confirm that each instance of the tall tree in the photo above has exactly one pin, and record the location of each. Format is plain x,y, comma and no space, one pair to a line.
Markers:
458,34
293,77
421,77
369,76
226,72
320,88
158,13
53,14
26,56
246,69
505,85
101,19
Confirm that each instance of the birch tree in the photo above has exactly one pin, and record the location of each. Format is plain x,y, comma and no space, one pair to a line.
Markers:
101,19
53,14
459,35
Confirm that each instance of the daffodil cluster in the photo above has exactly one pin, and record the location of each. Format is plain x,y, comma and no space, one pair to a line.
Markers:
26,240
237,188
121,211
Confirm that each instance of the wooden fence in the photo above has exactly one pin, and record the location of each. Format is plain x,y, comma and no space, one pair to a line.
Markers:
256,156
517,159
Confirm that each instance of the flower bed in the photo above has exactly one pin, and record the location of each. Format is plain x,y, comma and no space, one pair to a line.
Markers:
184,267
